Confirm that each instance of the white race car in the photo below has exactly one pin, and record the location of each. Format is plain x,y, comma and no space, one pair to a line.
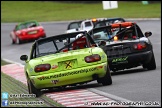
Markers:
83,25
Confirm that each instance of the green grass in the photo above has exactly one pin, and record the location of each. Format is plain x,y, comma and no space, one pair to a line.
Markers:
4,62
18,11
12,86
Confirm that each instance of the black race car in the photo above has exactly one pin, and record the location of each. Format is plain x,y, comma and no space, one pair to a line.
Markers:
125,45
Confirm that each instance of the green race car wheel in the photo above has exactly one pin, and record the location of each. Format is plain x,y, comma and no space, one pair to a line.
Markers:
32,89
106,80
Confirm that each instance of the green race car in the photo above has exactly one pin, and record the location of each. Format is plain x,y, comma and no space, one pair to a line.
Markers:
54,63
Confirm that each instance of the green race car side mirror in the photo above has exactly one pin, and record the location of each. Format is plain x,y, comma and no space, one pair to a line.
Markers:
24,57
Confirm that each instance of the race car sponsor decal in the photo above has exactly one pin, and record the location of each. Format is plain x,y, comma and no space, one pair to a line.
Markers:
54,81
122,59
54,66
40,78
100,67
31,69
68,73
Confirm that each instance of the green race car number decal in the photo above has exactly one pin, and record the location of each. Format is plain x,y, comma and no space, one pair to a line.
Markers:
68,65
68,73
122,59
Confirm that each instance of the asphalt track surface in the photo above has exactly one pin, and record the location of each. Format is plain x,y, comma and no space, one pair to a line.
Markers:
135,84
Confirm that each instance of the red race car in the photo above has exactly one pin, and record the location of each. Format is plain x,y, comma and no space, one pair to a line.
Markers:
25,31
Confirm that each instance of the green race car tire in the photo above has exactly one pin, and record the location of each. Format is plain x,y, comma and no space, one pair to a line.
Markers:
106,80
32,89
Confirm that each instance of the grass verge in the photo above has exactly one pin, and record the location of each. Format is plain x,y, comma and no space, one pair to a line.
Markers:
19,11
